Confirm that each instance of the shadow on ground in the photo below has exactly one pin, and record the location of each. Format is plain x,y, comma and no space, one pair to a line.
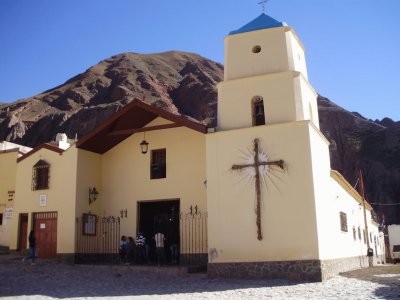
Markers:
57,280
387,275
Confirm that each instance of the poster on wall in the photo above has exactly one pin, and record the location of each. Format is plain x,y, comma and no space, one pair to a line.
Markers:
8,213
42,200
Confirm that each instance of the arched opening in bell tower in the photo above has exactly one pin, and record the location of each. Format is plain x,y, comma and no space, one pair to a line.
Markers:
258,111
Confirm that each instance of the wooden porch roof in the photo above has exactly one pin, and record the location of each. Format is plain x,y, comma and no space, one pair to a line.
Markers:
131,119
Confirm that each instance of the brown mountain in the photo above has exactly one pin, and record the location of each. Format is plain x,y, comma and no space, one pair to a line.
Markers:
185,84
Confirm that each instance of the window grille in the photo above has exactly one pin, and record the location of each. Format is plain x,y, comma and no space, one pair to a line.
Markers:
40,175
158,168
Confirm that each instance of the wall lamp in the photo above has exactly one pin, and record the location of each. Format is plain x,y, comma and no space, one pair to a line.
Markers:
144,145
93,194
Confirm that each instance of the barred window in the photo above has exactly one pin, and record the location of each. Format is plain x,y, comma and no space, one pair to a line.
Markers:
343,221
158,168
40,175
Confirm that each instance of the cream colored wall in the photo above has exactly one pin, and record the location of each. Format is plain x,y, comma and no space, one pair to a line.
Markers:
286,97
8,169
297,59
288,214
306,101
235,96
277,45
60,195
88,175
126,173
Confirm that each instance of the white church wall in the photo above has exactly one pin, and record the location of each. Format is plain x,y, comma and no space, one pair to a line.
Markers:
235,96
240,61
288,212
297,61
126,173
340,201
306,101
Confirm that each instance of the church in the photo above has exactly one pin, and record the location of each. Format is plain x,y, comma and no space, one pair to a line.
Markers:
254,197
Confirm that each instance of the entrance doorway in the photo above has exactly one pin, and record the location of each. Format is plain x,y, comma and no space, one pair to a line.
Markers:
160,216
45,226
23,232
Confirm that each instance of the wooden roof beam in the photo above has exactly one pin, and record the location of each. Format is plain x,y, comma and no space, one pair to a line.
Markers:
143,129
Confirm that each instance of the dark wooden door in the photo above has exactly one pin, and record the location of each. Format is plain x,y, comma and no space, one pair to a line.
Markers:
23,232
45,225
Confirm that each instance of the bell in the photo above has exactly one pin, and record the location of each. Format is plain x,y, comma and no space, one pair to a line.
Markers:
260,110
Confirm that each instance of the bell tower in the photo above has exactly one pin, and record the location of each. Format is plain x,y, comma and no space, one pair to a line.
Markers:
268,167
265,77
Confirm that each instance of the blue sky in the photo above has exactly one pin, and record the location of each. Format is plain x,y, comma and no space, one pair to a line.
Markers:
351,46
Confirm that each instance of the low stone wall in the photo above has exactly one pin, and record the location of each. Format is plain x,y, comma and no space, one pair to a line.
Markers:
332,267
4,249
303,270
66,257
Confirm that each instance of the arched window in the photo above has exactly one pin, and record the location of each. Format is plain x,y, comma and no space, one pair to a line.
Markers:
258,111
40,175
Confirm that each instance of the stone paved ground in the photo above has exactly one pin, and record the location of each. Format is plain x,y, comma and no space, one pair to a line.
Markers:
52,280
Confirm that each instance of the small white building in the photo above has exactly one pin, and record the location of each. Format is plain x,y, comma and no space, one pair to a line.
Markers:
394,242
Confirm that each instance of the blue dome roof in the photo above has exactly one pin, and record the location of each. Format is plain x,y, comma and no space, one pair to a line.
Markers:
261,22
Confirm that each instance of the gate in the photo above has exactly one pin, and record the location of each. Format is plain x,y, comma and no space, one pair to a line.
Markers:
97,239
194,241
186,238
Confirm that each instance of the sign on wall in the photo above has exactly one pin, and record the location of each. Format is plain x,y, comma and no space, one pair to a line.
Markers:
42,200
8,213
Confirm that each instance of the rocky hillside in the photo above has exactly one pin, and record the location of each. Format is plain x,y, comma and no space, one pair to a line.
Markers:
373,147
181,83
185,83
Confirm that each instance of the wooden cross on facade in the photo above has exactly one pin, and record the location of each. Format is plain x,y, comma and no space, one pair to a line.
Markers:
257,163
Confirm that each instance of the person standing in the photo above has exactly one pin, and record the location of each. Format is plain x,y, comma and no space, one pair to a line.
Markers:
32,248
370,254
123,247
131,251
141,248
160,239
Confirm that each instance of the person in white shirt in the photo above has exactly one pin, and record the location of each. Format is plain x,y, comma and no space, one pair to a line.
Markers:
160,239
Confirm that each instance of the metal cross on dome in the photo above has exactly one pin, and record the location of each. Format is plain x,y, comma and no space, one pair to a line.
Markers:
263,3
256,164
